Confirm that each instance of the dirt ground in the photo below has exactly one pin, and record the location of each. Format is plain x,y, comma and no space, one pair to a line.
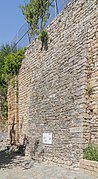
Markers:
14,165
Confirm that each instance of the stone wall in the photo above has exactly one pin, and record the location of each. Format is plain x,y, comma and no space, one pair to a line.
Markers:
58,87
2,99
0,107
90,167
13,122
0,102
91,116
3,117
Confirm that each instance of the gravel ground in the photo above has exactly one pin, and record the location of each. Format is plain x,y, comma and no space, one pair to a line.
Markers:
20,168
13,165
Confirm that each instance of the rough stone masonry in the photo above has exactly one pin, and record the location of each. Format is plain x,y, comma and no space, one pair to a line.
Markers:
58,88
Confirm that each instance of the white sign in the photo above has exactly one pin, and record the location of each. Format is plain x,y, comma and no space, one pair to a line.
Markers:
47,138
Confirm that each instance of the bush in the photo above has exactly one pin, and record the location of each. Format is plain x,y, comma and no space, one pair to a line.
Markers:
91,152
12,65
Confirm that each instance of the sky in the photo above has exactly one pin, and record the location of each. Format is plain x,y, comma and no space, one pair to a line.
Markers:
11,19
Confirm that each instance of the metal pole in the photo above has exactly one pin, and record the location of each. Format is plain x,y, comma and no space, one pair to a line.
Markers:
56,8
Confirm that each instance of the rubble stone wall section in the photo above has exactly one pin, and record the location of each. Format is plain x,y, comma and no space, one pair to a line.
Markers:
0,102
91,116
13,120
0,107
90,167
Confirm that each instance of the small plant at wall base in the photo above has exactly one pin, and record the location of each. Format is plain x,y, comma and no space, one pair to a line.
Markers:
91,152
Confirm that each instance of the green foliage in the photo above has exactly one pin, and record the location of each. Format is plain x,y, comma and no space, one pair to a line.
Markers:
43,36
36,13
5,50
91,152
10,62
12,65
